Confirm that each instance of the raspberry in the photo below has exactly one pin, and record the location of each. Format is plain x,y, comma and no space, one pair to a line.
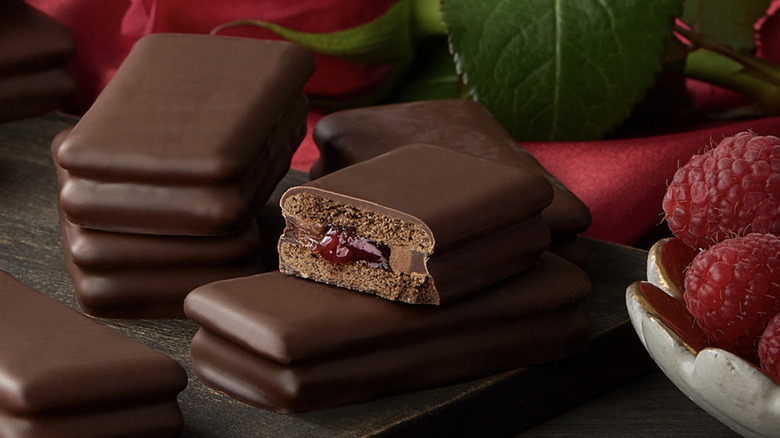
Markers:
769,349
732,290
733,189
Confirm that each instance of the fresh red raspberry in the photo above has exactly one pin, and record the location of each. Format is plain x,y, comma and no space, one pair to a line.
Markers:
731,190
732,290
769,349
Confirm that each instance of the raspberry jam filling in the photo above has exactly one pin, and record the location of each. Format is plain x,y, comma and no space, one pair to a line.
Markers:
343,246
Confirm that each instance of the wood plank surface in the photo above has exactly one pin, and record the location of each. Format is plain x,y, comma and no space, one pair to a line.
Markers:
499,405
649,406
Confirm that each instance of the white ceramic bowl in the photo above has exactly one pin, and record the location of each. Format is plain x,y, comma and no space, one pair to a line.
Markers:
728,387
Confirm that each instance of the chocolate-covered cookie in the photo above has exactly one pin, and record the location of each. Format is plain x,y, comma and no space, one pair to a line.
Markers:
420,224
147,292
287,319
34,50
95,249
59,369
289,345
190,137
348,137
124,275
416,364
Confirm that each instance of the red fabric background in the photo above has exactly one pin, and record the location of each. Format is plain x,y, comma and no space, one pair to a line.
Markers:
622,181
105,30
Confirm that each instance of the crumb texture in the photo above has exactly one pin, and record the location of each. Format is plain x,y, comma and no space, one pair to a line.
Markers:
321,212
301,261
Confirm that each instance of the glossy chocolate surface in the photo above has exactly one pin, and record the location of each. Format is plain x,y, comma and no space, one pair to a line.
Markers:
145,292
55,359
96,249
415,363
348,137
110,203
120,275
483,217
30,41
288,319
33,54
35,93
193,108
154,420
457,196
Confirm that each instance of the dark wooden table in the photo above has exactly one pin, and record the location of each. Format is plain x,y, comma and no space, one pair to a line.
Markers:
610,389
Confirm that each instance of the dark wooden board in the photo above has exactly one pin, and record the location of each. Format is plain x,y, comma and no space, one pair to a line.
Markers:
647,407
31,250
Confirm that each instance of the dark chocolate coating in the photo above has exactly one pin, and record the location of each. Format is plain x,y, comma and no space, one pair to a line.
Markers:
30,94
185,207
348,137
118,275
458,197
55,359
484,217
288,319
30,41
153,420
415,363
145,290
33,52
148,292
572,249
95,249
193,108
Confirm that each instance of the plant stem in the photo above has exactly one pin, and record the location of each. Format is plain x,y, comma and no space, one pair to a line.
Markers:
426,18
744,73
717,69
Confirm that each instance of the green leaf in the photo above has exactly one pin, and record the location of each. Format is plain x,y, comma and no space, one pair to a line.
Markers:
727,22
559,69
431,76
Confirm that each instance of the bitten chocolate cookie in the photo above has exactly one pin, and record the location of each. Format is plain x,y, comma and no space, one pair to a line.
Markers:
351,136
421,224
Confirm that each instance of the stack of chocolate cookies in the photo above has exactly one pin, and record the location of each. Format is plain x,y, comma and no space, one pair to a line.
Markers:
421,260
65,375
429,267
161,179
34,50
